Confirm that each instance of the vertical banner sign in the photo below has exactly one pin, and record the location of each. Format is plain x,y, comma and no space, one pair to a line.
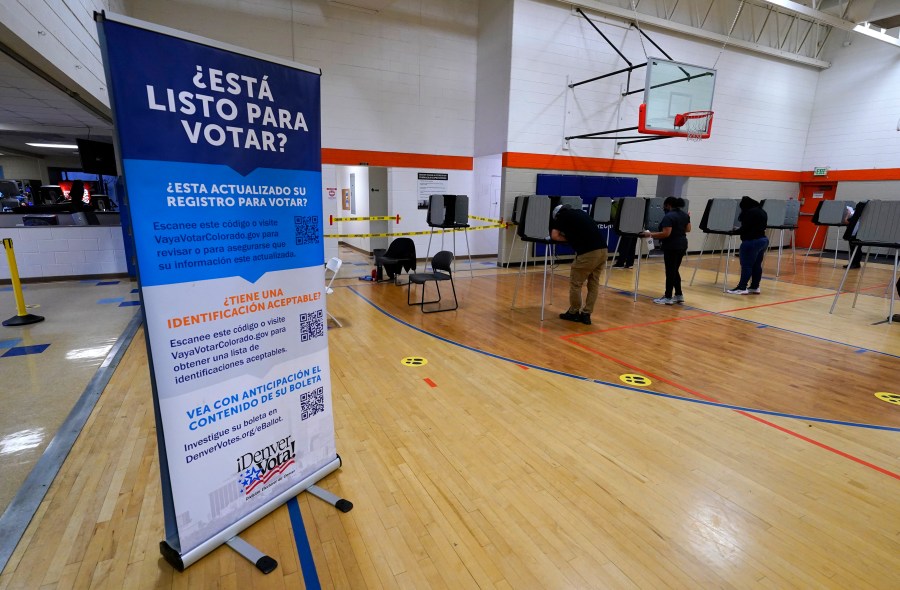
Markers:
221,151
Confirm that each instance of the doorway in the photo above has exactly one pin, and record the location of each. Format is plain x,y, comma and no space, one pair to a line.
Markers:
811,194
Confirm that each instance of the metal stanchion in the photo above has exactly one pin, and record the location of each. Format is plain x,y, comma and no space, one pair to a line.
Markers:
22,318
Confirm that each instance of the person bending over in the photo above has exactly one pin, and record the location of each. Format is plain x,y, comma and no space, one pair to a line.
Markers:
673,230
754,244
581,232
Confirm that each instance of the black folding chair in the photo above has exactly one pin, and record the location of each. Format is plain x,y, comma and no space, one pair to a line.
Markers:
441,266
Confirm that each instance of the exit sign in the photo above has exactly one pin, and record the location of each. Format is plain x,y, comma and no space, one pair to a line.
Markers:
820,171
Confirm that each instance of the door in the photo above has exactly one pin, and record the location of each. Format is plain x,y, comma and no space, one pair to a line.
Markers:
811,194
378,205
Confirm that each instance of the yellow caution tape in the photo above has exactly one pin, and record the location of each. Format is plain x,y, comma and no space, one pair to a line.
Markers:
376,218
409,233
488,219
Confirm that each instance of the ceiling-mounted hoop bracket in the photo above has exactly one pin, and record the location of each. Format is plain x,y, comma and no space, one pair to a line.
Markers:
610,134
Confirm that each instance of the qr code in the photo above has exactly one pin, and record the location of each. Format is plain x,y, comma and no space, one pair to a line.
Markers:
311,403
312,325
307,229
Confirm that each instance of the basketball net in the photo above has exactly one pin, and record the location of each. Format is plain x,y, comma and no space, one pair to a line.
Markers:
696,124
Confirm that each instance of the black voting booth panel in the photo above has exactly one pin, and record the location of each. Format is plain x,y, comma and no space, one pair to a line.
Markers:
534,214
656,211
630,216
831,213
779,215
601,210
879,227
448,211
721,216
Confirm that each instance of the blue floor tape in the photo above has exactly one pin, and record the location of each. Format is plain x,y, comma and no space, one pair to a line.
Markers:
307,564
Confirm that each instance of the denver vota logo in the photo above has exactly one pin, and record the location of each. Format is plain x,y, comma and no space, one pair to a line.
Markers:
257,468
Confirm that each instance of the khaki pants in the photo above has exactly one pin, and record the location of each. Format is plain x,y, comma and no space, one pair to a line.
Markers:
587,267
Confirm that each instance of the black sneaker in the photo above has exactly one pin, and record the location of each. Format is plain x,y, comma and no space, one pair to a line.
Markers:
572,317
585,318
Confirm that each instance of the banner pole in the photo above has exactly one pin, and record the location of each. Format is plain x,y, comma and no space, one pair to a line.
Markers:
22,317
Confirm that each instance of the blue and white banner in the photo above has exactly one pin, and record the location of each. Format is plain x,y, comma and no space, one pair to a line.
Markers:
221,152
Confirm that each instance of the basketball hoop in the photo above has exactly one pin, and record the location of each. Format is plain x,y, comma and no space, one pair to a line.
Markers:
696,124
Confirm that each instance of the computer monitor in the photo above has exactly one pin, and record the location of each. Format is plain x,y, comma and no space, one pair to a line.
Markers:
97,157
48,194
101,202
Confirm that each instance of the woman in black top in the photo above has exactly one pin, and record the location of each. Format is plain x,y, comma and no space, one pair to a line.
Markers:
754,244
672,232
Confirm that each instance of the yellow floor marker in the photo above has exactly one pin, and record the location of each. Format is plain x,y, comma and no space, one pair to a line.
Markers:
891,398
633,379
414,361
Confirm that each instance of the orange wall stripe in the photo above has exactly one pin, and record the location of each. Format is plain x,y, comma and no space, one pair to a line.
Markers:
395,159
582,164
848,175
603,165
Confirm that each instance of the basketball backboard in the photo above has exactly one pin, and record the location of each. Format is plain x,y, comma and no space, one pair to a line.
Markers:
673,90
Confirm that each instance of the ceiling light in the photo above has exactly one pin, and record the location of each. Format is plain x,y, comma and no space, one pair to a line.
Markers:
64,146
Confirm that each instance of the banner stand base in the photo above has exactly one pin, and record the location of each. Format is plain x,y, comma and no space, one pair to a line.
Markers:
263,562
339,503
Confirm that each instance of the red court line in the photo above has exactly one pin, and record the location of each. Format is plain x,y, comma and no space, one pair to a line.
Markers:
430,382
743,413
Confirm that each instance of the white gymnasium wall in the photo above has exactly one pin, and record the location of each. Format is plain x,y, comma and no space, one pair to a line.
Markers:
492,88
403,186
762,105
401,80
60,37
484,201
856,111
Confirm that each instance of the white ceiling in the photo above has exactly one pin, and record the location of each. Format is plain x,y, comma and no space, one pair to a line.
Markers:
35,110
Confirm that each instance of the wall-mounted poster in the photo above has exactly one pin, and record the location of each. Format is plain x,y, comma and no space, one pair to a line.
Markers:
345,199
431,183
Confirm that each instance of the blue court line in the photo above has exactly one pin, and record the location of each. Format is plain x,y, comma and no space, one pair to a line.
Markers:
307,564
9,343
129,303
625,387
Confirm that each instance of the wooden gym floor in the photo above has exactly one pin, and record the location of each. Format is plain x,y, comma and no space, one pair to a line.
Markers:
750,450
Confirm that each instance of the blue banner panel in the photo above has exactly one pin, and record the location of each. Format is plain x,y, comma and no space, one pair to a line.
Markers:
185,102
221,155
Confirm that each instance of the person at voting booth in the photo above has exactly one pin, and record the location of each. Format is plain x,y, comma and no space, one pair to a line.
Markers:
582,233
851,220
754,244
673,230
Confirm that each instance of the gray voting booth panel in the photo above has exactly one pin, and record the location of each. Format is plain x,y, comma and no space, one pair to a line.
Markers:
630,219
601,210
723,215
518,205
656,211
774,209
536,211
831,212
534,222
791,213
448,210
879,224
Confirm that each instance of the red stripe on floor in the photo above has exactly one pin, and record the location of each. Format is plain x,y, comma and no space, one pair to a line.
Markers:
741,412
430,382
